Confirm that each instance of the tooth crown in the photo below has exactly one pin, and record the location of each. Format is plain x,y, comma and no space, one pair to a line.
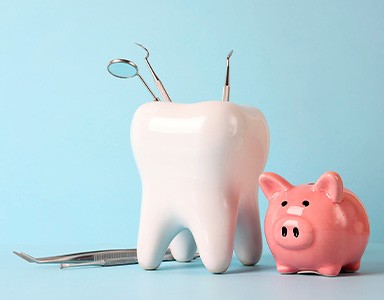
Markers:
199,164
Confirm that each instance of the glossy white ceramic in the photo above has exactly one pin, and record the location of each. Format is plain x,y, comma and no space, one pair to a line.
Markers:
199,166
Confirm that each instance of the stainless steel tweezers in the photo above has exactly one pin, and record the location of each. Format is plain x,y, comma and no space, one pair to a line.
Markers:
93,258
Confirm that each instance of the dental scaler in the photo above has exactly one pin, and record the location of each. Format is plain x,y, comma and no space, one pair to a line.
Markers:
226,88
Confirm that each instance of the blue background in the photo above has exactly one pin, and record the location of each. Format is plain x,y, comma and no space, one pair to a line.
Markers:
67,174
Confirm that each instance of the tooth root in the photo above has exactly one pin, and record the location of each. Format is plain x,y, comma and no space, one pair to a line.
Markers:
214,228
248,242
183,246
155,234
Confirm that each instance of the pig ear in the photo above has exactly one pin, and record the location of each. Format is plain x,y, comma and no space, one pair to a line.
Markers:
272,183
331,184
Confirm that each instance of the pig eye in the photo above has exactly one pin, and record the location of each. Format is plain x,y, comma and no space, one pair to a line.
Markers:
305,203
284,203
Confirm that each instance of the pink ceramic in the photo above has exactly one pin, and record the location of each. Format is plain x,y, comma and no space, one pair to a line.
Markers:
321,227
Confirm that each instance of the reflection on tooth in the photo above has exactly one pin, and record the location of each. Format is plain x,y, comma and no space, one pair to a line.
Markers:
199,166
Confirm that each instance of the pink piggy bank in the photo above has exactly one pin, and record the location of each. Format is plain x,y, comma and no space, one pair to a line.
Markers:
320,227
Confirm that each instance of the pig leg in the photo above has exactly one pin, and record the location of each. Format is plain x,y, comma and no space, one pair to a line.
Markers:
248,243
284,269
351,267
330,270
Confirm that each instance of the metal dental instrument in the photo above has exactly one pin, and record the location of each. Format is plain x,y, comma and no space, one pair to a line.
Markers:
93,258
158,82
102,263
123,68
113,261
226,84
80,257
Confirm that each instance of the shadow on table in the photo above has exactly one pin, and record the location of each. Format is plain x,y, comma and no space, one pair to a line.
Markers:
240,269
235,267
368,267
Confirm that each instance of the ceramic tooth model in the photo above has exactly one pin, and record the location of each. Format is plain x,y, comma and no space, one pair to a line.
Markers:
321,227
199,166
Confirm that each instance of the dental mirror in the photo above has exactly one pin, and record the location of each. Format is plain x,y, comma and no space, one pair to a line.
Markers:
123,68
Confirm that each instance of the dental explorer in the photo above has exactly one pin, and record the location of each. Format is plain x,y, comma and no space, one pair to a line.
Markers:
158,82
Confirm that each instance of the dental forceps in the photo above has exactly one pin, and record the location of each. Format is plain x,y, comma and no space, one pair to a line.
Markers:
92,258
226,88
158,82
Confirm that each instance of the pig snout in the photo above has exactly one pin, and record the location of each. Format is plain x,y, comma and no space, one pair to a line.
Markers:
293,233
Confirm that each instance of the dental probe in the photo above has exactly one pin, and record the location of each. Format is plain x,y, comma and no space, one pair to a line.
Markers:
158,82
226,84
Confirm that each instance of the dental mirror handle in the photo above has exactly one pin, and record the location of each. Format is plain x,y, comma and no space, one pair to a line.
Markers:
146,85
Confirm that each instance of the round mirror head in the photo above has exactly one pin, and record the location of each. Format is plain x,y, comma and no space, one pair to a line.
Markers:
122,68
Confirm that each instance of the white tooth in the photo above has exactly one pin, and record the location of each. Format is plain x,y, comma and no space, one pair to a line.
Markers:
183,246
199,166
